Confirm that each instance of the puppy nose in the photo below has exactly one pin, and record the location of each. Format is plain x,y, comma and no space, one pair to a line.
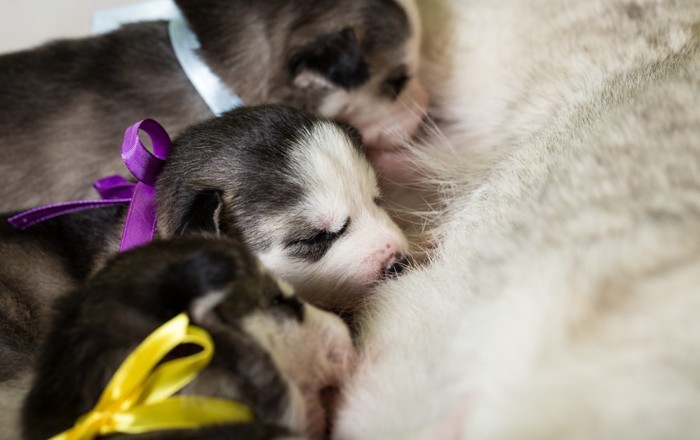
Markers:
396,264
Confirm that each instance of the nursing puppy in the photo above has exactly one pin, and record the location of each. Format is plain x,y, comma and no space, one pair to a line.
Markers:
64,103
272,352
297,189
294,187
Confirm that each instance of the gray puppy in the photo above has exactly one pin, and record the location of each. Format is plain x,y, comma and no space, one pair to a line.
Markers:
65,103
295,187
272,352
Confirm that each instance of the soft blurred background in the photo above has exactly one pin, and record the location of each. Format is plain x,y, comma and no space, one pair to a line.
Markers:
26,23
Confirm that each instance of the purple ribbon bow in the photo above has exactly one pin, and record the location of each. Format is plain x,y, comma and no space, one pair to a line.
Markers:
140,223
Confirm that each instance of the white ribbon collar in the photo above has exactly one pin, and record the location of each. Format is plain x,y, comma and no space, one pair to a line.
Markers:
218,97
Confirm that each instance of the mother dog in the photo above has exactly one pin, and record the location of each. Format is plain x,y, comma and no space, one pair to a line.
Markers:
563,303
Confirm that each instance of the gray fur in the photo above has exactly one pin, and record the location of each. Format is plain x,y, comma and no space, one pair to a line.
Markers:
98,324
66,103
224,176
40,263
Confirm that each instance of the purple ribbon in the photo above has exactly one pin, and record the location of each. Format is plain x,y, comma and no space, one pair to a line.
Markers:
140,223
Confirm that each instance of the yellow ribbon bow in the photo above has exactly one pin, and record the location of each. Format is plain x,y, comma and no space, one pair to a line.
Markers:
138,397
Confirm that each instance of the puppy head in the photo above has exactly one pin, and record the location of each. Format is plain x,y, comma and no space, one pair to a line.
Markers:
263,335
336,242
274,352
296,188
355,61
380,92
311,348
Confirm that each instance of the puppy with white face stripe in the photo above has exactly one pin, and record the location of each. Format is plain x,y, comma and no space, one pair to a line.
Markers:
272,352
355,61
294,187
303,196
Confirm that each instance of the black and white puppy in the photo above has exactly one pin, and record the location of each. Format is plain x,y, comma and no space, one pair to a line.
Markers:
65,103
296,188
273,352
299,191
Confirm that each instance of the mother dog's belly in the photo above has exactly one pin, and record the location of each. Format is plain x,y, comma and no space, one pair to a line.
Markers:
562,301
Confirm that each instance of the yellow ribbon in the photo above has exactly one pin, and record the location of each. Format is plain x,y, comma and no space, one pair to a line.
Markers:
138,397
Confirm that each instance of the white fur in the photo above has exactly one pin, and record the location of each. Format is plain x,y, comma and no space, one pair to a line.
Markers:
562,302
314,354
339,184
206,303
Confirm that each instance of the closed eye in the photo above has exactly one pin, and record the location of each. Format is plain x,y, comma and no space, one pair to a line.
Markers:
395,85
315,247
323,236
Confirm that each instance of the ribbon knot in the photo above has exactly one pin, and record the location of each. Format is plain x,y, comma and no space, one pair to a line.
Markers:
114,187
145,166
90,426
139,397
140,224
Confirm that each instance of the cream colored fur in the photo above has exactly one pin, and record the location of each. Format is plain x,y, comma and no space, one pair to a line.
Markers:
564,299
12,393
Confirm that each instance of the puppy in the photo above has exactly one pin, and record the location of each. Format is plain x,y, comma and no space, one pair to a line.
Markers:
272,352
294,187
65,103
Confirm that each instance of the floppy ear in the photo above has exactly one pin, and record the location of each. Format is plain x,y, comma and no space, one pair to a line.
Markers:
199,275
203,214
334,59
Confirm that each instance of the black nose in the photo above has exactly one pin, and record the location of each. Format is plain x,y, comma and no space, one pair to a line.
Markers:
398,264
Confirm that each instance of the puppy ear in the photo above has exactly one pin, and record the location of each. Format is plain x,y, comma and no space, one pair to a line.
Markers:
195,282
204,214
335,59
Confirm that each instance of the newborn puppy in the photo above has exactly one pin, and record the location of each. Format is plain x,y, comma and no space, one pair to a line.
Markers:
295,188
65,103
272,352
